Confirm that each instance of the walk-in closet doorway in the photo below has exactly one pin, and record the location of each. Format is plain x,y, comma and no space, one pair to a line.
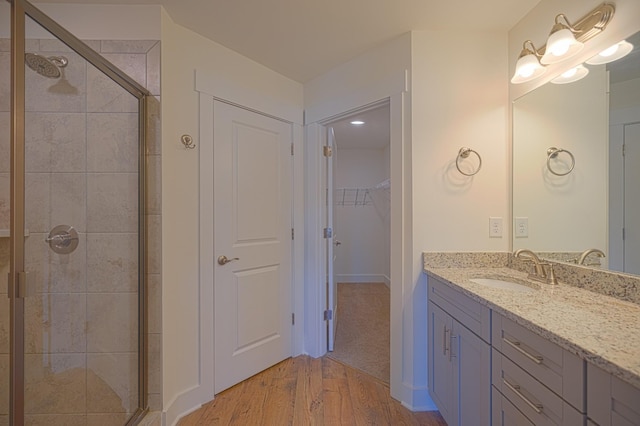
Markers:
361,239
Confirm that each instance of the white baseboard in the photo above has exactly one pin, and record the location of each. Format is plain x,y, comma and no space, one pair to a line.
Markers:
363,278
387,281
183,404
417,398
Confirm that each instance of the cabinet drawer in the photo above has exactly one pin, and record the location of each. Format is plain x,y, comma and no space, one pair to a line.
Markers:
610,401
559,370
465,310
504,413
538,403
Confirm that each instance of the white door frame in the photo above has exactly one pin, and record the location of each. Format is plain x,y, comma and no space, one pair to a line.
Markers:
402,347
617,121
214,87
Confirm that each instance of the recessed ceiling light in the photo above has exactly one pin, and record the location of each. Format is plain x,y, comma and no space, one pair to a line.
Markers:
357,122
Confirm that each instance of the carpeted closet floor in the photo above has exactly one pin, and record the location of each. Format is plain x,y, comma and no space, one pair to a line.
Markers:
362,334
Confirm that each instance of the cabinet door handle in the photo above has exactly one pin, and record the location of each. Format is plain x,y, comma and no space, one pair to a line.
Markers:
516,345
451,355
516,389
444,340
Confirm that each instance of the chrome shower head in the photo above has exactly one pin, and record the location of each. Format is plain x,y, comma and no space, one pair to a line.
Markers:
48,67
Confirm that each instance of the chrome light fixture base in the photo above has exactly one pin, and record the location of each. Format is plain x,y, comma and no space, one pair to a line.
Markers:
587,27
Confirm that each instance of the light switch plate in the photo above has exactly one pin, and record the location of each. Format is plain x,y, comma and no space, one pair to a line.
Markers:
495,227
522,227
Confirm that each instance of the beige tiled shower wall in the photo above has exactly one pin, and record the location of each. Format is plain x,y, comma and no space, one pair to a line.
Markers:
81,138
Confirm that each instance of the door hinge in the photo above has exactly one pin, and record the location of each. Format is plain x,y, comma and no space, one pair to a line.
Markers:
328,315
293,319
327,151
624,149
327,232
291,148
623,236
292,234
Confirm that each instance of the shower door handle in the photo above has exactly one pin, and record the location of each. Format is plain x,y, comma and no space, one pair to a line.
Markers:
223,260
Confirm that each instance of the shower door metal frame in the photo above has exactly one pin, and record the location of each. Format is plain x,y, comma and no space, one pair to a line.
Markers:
17,288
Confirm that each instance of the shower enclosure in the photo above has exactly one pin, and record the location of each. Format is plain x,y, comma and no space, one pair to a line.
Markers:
72,221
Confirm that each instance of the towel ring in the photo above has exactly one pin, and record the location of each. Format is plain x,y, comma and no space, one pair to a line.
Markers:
553,153
464,153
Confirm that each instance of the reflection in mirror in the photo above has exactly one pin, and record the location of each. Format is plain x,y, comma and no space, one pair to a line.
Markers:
573,189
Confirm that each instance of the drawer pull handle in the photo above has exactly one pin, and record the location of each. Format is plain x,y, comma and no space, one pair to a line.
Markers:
516,345
516,389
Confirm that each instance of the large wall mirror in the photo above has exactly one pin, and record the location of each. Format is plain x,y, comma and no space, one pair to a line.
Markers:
576,167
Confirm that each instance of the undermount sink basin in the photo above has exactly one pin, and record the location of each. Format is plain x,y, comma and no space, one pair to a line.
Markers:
502,284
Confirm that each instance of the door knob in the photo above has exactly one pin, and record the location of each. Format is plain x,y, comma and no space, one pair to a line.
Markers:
223,260
337,243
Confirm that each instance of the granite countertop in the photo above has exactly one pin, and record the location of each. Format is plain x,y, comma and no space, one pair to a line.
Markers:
600,329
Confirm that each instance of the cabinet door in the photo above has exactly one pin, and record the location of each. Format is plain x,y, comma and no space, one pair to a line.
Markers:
471,376
440,366
610,401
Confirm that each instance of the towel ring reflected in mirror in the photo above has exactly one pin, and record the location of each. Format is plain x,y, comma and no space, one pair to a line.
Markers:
464,152
553,152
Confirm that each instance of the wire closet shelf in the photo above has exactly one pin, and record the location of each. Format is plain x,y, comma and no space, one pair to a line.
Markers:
352,197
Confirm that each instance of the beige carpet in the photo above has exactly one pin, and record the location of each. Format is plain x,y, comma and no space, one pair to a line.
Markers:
362,335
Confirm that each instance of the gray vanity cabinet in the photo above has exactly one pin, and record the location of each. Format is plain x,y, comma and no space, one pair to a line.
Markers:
504,413
610,401
543,381
459,356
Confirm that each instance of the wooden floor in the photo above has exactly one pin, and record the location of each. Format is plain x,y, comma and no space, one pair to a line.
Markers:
308,391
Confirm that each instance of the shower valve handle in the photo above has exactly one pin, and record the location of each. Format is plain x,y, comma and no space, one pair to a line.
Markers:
223,260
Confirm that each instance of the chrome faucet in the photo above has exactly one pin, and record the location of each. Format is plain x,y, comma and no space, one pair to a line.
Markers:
533,258
587,252
539,274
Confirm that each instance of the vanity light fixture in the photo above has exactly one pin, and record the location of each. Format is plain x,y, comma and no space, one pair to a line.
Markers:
613,53
528,66
574,74
562,43
565,40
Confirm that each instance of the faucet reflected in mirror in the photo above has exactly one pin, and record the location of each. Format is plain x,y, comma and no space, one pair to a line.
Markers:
596,204
583,257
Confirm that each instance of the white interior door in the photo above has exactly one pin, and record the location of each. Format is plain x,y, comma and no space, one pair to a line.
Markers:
632,198
252,223
332,289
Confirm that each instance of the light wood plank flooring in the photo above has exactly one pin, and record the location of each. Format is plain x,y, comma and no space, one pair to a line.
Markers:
308,391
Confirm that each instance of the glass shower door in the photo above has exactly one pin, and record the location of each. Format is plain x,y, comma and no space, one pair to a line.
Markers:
72,171
5,185
81,212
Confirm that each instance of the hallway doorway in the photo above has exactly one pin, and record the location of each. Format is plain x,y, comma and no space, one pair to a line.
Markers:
360,240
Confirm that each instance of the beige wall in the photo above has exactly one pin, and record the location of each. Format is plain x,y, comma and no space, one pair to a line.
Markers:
182,53
459,97
456,100
459,100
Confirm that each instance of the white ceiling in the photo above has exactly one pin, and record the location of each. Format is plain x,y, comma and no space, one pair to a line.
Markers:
373,134
303,39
